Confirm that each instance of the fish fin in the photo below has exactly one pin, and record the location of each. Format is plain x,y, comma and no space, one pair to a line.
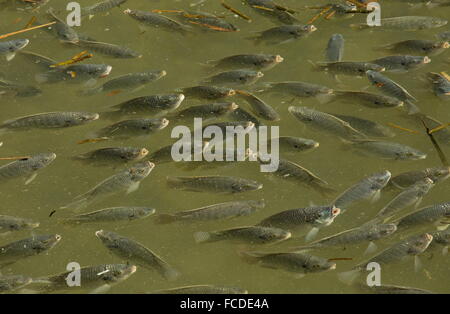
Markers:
90,83
41,78
78,204
101,290
445,250
349,277
165,219
202,236
31,178
133,187
417,264
10,56
371,248
324,98
299,276
418,203
411,108
312,234
442,227
91,91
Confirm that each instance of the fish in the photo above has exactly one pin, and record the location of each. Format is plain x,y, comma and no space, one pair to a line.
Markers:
247,234
393,89
157,20
411,246
351,68
335,48
417,47
49,120
10,223
62,31
126,180
291,171
202,289
208,92
214,212
243,115
408,197
300,220
18,250
324,122
26,167
256,62
298,263
75,73
211,110
101,7
365,233
408,179
112,214
100,277
387,150
206,21
148,104
407,23
368,188
234,78
402,63
367,99
367,127
297,89
440,238
129,249
283,34
9,283
10,48
444,35
133,127
164,154
437,213
441,85
130,81
275,12
112,155
393,289
108,49
296,144
216,184
259,107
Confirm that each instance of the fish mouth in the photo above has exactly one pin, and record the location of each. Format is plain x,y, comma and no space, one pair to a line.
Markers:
332,267
94,117
144,152
315,145
24,44
231,92
162,73
445,45
426,60
106,72
99,233
279,59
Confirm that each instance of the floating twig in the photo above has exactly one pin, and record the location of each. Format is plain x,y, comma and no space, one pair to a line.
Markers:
75,59
242,15
392,125
26,30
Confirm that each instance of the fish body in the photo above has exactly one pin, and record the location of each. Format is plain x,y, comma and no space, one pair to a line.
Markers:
133,127
50,120
256,62
10,48
112,214
217,184
335,48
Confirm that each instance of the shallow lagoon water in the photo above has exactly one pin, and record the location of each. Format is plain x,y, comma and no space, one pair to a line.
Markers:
182,57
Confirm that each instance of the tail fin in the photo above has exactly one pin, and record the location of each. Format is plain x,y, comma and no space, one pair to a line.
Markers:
78,204
349,277
250,257
315,66
165,219
202,236
170,273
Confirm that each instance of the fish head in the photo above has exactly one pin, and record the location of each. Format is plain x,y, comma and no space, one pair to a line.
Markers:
381,179
43,159
374,67
438,22
319,264
173,101
17,281
18,44
326,215
45,242
438,174
155,124
443,45
257,204
108,238
117,273
410,154
141,170
88,116
381,231
98,70
418,244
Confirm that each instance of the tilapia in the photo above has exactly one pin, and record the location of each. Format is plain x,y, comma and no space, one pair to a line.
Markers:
387,150
335,48
283,34
10,48
113,214
217,184
10,223
438,214
367,99
113,155
257,62
401,63
251,234
133,127
26,167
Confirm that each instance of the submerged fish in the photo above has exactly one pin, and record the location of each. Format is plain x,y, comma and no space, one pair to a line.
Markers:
441,238
127,180
335,48
272,10
297,89
325,122
438,214
18,90
9,223
133,127
112,214
35,245
419,47
234,77
131,81
387,150
298,263
411,246
157,20
205,111
208,92
410,178
149,104
9,283
348,67
251,234
101,7
296,144
367,99
214,212
367,127
441,85
391,289
108,49
217,184
106,156
207,21
401,63
407,23
256,62
75,73
283,34
49,120
26,167
367,188
131,250
202,289
63,31
10,48
259,107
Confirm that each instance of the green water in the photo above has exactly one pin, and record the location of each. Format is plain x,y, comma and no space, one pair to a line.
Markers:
215,263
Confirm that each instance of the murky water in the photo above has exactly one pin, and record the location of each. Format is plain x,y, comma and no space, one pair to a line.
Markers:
182,58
